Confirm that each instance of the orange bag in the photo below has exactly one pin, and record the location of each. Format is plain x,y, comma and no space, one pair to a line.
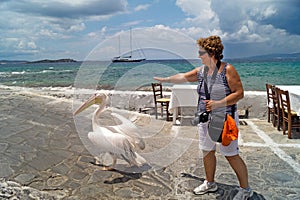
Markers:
230,130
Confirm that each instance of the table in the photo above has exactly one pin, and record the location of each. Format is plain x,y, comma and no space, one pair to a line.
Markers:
182,95
294,92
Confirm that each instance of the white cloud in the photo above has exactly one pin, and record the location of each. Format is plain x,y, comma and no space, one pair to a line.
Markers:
54,18
194,8
229,18
31,45
26,45
58,26
262,12
98,34
35,23
142,7
132,23
77,27
21,45
247,23
67,8
48,33
200,16
92,34
103,30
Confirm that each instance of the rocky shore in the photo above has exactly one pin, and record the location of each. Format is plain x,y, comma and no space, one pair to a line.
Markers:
14,190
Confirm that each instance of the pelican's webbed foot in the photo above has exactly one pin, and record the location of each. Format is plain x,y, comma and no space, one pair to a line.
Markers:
107,168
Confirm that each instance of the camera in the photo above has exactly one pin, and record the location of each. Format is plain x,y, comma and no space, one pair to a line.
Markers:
200,117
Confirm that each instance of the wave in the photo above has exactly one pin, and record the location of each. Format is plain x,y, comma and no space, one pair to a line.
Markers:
8,74
22,72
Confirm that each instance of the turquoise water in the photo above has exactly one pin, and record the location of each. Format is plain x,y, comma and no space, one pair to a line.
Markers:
109,75
254,75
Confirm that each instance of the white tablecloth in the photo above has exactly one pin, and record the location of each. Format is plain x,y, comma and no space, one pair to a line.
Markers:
294,92
182,95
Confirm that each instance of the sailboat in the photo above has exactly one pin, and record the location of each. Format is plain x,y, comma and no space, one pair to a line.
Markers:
129,58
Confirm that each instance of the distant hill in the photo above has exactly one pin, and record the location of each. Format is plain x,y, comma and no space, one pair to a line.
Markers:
38,61
53,61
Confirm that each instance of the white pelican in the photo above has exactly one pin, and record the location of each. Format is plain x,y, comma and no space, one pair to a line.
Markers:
119,141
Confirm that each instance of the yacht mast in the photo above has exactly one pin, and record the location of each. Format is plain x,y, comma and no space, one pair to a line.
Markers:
130,42
119,45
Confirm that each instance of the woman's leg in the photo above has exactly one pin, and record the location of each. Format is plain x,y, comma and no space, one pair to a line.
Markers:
208,185
240,168
209,160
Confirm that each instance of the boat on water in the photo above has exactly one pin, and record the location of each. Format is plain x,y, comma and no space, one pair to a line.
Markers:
130,58
127,59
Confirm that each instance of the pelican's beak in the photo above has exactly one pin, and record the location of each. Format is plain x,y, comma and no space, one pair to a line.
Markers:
94,99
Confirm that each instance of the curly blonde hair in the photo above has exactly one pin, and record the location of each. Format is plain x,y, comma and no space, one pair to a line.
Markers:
213,45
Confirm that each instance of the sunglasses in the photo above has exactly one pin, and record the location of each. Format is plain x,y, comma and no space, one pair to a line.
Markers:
201,53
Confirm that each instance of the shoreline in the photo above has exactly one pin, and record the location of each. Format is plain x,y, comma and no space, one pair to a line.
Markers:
254,101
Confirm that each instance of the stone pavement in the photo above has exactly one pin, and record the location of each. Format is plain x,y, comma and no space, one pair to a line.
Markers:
43,157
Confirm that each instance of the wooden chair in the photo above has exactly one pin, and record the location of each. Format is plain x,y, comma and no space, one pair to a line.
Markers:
274,111
270,101
277,115
289,117
160,99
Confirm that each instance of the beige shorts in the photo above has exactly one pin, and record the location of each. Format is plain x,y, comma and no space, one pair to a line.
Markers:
206,144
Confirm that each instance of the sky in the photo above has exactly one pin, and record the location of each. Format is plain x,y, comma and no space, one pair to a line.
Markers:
54,29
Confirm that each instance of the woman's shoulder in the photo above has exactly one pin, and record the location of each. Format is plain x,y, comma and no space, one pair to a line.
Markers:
228,67
230,71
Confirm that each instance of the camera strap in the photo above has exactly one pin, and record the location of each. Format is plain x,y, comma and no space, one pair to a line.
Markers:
213,79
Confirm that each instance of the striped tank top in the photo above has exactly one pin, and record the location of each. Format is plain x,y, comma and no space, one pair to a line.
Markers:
220,90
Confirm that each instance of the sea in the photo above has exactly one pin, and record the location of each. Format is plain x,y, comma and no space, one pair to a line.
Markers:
134,76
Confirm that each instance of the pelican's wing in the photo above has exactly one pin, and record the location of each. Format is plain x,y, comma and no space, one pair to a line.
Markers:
114,143
129,129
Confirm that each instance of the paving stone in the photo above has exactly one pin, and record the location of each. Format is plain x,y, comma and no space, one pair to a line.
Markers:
5,170
24,179
61,168
56,180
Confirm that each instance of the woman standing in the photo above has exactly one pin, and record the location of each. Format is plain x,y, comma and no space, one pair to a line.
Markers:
226,89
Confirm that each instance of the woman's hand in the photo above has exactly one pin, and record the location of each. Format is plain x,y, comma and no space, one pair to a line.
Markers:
209,105
212,104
